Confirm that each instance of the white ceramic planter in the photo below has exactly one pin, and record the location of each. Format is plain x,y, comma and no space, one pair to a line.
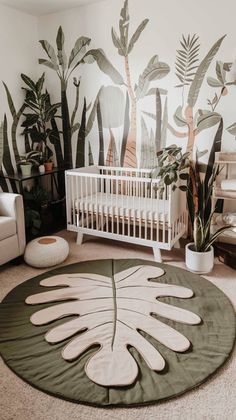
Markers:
199,262
26,169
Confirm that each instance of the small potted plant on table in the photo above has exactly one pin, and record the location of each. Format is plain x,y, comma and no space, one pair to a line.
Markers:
48,164
27,161
175,166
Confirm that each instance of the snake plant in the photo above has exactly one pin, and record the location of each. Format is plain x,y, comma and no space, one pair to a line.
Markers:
174,167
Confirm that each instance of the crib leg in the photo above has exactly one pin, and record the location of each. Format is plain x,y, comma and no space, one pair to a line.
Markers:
177,245
79,238
157,254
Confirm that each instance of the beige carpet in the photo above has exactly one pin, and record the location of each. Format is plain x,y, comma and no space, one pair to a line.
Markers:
214,400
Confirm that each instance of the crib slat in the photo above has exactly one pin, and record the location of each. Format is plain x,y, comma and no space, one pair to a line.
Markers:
146,211
157,213
73,201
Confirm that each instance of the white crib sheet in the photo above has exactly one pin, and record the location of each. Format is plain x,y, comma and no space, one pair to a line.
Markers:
123,205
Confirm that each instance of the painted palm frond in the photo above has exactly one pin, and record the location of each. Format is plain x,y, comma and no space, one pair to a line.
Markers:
109,312
187,59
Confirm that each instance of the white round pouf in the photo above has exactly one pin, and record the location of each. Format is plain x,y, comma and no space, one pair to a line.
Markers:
46,251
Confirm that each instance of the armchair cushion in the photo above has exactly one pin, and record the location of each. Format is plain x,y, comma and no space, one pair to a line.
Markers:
12,226
7,227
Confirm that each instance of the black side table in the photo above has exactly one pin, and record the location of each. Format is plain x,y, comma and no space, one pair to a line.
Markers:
35,174
53,219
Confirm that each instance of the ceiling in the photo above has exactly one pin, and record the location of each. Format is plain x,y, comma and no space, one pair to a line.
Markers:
43,7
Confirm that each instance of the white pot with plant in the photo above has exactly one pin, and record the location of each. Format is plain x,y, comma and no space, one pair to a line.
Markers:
27,161
175,166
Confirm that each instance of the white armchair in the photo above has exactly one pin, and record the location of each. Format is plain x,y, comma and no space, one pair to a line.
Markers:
12,227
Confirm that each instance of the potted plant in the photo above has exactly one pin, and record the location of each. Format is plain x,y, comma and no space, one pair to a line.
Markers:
27,161
175,166
38,121
48,162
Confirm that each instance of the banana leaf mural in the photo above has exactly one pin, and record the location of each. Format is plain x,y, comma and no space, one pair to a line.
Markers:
154,70
135,92
64,67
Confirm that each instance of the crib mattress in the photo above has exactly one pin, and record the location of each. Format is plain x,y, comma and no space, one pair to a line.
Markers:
113,205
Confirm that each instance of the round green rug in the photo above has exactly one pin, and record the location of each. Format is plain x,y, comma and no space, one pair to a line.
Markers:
85,332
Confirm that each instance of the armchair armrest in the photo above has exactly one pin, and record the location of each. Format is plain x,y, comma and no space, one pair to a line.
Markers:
11,205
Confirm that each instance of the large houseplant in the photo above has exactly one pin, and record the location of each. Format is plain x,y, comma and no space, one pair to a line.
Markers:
174,166
39,115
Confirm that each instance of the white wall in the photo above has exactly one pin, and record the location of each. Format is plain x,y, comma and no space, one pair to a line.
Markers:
19,54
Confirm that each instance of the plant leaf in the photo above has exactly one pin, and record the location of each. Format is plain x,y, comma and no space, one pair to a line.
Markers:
220,72
214,82
164,125
232,129
207,119
126,126
79,49
124,25
148,149
180,121
137,34
152,91
112,321
48,63
49,51
29,82
92,115
105,65
117,43
10,101
185,59
200,73
155,70
60,40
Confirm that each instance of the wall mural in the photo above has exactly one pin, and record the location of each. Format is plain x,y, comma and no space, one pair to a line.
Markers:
63,123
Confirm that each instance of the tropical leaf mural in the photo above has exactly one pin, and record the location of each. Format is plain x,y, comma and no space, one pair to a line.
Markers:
191,75
127,133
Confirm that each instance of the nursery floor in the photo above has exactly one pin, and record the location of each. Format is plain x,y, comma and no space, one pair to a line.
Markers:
213,400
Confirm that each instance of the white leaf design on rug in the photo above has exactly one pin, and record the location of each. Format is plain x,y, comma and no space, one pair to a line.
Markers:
110,312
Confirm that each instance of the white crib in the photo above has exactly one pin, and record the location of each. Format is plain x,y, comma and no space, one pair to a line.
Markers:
125,204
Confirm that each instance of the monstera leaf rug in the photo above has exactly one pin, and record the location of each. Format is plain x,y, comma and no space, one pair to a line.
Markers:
116,332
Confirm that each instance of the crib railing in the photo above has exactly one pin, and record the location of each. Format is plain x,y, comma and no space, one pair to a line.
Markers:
123,203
